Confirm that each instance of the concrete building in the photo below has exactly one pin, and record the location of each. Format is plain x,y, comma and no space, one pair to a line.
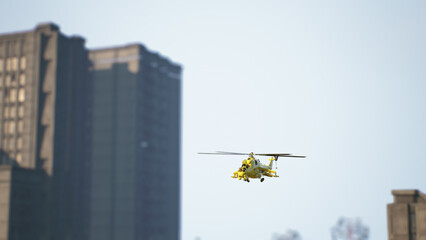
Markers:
407,215
43,116
102,125
136,145
23,205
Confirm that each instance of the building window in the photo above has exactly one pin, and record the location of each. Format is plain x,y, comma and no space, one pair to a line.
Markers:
6,112
12,95
21,111
23,63
20,126
8,81
19,143
10,144
14,63
13,80
19,157
22,79
5,125
11,127
21,95
8,64
12,112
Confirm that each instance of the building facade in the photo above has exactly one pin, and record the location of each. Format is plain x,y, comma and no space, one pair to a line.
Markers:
43,116
23,206
136,145
99,133
407,215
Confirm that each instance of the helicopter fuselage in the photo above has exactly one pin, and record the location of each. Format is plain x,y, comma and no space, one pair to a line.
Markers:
253,168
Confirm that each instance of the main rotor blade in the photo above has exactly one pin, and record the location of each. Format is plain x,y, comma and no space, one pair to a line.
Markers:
257,154
279,155
224,153
273,154
232,153
293,156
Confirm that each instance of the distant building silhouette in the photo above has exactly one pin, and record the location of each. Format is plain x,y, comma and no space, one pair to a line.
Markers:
289,235
349,229
23,206
89,139
407,215
136,145
43,81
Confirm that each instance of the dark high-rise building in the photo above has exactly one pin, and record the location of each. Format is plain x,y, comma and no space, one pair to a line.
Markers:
90,140
136,145
23,206
44,122
407,215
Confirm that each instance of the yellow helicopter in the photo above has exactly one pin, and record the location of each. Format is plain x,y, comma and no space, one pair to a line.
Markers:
253,168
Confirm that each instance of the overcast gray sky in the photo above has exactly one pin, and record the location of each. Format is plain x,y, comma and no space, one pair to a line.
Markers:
342,82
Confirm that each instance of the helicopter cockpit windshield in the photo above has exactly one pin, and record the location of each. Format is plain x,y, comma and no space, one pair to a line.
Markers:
244,167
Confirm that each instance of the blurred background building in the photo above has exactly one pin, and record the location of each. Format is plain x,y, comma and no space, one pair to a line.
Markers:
135,147
23,206
349,229
289,235
90,147
407,215
43,111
